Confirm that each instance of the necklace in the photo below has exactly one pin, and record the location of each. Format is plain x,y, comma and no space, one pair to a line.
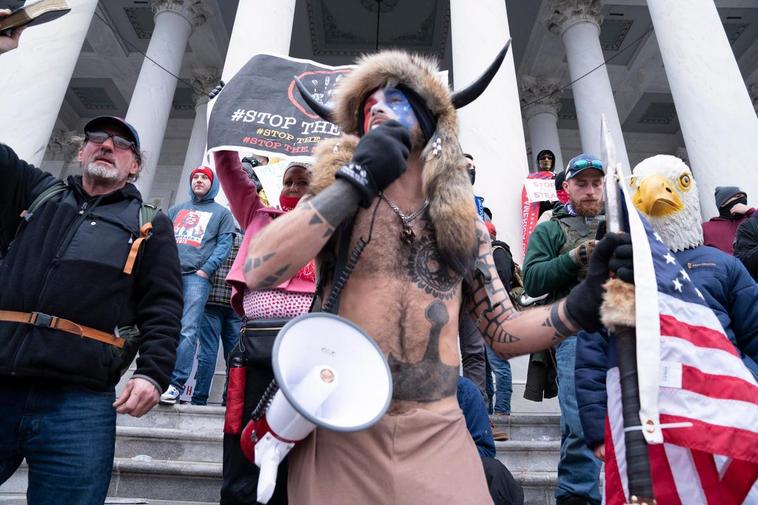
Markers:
407,236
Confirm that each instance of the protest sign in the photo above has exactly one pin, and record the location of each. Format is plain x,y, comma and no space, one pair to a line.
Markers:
261,110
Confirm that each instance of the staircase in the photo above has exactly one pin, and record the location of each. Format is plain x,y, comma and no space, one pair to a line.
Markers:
173,454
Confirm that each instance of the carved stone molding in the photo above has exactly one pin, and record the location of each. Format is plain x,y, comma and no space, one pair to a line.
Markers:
203,81
566,13
539,94
192,10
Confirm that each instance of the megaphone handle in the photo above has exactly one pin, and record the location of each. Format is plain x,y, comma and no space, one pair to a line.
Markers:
267,477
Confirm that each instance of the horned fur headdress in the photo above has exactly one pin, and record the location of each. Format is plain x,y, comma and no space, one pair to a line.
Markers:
445,179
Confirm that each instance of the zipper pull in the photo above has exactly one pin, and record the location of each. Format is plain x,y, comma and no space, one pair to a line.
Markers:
83,208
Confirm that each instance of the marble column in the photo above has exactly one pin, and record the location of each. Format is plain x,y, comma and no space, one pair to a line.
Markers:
490,127
34,78
715,111
259,26
151,101
203,81
577,22
540,100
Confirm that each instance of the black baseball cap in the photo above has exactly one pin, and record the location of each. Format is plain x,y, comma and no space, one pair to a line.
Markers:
102,121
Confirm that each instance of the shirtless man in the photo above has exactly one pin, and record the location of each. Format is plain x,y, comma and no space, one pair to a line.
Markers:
406,187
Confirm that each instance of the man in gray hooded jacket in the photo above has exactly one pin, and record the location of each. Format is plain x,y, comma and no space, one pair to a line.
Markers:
203,230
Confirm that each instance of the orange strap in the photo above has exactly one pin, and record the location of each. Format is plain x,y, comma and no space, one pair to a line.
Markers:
47,321
144,232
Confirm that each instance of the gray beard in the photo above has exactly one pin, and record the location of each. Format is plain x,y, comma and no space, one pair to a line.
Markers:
102,173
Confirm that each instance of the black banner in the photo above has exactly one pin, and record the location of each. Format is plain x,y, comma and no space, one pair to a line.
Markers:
260,108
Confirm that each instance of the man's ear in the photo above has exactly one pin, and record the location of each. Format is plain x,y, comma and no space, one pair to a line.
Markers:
135,168
79,155
565,186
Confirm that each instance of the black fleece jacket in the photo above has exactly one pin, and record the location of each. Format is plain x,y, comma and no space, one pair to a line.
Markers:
67,261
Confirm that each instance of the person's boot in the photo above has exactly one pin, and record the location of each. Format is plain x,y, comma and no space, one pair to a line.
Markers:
498,434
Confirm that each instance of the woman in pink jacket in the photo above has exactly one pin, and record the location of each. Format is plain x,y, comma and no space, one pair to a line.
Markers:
265,311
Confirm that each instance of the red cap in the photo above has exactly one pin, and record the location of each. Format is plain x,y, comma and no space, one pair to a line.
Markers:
204,170
491,228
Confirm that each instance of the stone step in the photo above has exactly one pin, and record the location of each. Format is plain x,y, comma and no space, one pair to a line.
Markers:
144,478
20,499
189,418
524,456
530,426
159,482
169,444
539,487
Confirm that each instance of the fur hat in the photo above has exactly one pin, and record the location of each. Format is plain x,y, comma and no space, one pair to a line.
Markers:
445,178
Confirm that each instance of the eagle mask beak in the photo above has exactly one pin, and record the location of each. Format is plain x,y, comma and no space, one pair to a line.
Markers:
656,197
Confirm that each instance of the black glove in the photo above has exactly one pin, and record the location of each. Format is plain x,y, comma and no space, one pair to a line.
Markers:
613,254
378,160
215,91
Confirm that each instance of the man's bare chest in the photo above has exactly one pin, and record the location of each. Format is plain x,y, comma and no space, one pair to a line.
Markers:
402,262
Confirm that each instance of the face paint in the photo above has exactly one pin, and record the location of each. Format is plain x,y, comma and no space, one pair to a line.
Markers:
391,103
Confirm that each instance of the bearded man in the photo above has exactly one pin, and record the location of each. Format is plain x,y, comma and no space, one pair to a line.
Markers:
557,259
395,186
83,289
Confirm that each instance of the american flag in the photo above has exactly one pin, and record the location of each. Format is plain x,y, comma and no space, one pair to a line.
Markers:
694,389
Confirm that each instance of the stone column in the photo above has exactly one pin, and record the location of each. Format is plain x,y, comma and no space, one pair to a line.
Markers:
203,81
577,22
259,26
490,127
715,111
540,101
153,94
34,78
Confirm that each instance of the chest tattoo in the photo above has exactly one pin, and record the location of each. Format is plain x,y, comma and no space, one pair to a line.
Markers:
427,270
429,379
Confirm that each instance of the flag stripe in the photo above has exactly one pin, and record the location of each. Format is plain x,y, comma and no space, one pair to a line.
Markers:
709,477
735,443
685,475
731,413
614,489
710,361
664,485
737,480
690,312
697,335
721,387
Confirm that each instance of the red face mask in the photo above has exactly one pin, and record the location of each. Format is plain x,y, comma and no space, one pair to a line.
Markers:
288,203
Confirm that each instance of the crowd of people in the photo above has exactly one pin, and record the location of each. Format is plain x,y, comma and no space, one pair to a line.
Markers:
383,230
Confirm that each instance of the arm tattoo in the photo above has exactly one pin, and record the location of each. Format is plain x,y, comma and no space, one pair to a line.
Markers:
253,263
333,204
554,321
275,279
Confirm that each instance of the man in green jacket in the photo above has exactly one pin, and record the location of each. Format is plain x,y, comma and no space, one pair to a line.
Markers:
556,261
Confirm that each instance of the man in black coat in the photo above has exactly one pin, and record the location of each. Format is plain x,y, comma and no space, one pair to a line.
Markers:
83,290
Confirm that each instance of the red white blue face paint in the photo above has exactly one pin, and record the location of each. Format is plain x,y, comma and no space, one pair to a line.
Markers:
385,104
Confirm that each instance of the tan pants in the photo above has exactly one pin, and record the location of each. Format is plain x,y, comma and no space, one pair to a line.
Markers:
416,458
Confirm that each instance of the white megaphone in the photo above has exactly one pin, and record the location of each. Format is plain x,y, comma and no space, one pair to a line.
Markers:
330,374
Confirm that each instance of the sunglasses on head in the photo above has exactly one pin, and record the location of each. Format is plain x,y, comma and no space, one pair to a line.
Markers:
118,141
580,164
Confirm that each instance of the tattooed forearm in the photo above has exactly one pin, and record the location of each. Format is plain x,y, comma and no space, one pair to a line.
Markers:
333,204
257,262
555,322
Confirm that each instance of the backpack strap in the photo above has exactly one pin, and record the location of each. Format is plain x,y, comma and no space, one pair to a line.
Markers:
49,192
147,213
